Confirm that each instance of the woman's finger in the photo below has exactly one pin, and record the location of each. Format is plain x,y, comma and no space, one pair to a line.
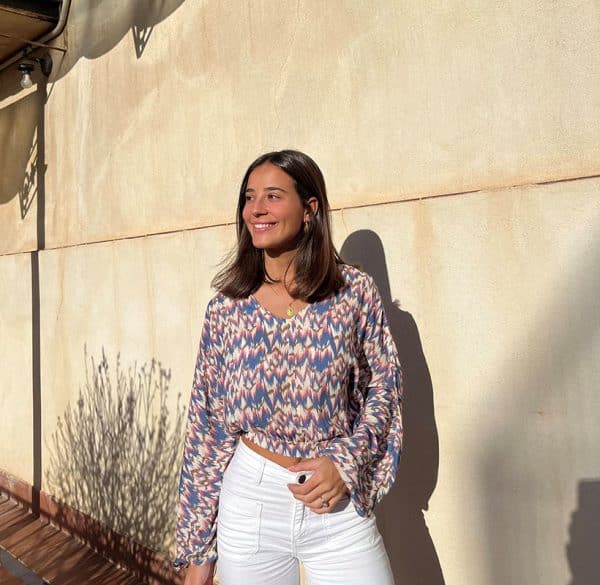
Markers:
324,483
301,490
313,496
331,498
317,489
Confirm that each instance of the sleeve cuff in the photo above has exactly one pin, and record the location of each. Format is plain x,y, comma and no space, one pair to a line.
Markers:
183,562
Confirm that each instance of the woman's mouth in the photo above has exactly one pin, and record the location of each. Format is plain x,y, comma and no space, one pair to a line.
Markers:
262,227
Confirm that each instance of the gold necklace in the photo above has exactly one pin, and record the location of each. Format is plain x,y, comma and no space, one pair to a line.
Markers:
290,309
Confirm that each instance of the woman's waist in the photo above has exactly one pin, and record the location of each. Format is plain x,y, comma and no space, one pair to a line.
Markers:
282,460
284,449
248,467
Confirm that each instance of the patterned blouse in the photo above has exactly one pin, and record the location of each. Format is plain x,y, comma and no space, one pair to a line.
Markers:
325,382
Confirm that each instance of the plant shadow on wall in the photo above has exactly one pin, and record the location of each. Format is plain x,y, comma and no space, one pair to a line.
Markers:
400,515
115,453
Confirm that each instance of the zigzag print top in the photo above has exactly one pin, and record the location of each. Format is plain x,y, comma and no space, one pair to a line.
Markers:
324,382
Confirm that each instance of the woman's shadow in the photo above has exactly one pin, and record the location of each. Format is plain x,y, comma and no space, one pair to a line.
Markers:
400,515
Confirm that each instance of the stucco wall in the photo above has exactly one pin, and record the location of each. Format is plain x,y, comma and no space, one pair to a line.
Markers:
456,140
394,101
16,384
503,288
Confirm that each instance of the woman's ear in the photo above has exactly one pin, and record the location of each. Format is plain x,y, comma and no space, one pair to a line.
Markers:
312,206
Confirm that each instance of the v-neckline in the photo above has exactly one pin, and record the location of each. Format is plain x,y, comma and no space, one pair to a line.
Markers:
297,314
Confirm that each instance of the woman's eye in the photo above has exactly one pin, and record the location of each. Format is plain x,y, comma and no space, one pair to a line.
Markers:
273,196
248,197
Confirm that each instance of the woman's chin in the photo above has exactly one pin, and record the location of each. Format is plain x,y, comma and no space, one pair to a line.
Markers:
274,251
272,245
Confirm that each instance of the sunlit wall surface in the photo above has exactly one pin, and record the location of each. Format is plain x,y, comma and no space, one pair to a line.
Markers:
460,146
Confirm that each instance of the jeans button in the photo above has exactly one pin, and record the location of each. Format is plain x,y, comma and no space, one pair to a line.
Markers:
301,478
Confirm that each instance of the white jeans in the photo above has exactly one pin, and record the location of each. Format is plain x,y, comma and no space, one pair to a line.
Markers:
263,532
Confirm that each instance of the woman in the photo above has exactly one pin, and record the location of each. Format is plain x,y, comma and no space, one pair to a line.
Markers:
294,427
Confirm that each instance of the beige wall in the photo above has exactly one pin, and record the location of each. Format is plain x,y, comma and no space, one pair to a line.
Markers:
16,385
19,118
393,101
396,103
503,287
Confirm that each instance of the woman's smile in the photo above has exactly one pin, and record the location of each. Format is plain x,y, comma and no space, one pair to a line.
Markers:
263,227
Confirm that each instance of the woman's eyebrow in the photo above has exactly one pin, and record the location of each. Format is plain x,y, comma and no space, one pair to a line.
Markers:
251,190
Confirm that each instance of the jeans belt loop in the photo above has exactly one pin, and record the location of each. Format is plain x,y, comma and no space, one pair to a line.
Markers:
260,471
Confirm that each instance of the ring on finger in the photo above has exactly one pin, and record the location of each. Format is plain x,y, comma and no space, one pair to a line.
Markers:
324,503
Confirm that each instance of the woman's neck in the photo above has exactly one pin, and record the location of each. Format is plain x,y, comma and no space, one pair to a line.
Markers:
280,267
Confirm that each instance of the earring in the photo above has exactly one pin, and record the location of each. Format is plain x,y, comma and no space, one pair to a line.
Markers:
306,227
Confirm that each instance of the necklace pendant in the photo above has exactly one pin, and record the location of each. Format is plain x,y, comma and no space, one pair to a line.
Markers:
289,311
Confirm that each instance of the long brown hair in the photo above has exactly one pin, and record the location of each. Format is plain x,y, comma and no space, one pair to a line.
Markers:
316,263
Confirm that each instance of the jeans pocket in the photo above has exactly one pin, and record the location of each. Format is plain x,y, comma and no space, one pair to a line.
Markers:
345,528
238,526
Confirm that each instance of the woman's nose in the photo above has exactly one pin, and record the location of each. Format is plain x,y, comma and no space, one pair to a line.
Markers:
258,208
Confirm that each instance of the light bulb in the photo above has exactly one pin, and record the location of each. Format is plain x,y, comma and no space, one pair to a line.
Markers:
26,80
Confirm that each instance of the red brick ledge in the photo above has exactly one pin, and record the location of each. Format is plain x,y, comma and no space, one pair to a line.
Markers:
149,566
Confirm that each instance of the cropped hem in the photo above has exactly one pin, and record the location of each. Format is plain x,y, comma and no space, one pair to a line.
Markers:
184,562
306,450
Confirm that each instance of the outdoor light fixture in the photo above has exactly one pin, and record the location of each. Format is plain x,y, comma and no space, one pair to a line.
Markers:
26,68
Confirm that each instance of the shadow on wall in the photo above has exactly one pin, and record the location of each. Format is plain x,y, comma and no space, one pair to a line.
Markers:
116,453
400,516
584,535
551,401
19,162
94,28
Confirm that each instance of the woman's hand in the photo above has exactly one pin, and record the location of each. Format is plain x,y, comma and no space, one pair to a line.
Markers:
200,574
324,486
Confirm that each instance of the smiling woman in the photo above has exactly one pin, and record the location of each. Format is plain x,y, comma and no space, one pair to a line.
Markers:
274,213
294,428
283,191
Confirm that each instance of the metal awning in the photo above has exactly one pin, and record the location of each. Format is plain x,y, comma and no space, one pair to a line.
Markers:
25,22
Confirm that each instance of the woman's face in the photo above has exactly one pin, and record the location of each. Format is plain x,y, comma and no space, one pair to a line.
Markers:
273,211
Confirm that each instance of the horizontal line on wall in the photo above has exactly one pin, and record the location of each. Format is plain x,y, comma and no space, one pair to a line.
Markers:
412,199
569,180
333,209
469,192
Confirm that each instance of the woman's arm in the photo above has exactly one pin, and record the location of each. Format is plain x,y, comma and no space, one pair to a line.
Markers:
367,460
200,574
207,451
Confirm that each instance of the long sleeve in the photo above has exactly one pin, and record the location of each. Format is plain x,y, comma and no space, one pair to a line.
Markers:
208,449
368,459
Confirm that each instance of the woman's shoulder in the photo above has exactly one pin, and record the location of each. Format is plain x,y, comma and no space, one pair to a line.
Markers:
220,304
360,288
355,278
